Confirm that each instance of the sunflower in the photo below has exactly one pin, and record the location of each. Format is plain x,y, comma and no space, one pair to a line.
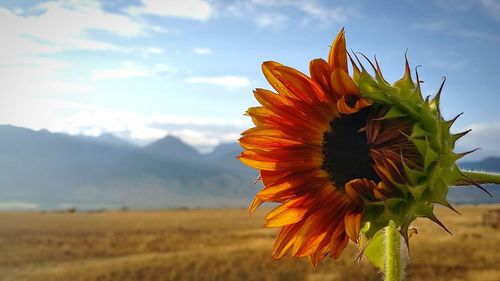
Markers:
344,154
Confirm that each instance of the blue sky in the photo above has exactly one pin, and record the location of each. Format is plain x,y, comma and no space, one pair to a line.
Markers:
149,68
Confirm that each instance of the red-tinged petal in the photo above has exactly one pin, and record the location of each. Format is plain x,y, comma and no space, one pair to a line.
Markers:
312,244
264,117
337,236
337,58
321,73
259,142
255,204
264,131
292,110
259,115
352,223
285,239
293,135
359,189
316,258
300,85
267,68
351,104
292,83
285,217
343,84
382,192
270,177
291,189
290,204
339,246
302,154
258,160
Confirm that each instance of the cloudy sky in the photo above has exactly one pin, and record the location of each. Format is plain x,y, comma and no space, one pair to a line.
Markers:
147,68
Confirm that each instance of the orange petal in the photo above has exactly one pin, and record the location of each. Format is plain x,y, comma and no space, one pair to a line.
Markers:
297,112
353,225
267,68
337,58
260,142
290,134
271,177
292,83
338,247
285,216
358,189
321,72
352,104
296,186
255,204
312,244
280,160
382,192
268,131
259,115
343,84
285,239
339,239
316,258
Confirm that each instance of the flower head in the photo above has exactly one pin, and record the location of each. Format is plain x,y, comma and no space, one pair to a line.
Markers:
344,154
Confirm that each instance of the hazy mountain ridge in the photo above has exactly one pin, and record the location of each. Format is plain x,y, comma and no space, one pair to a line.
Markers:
52,170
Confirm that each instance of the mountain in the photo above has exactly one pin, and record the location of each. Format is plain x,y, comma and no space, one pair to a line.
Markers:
224,150
171,147
472,194
487,164
54,170
224,156
113,140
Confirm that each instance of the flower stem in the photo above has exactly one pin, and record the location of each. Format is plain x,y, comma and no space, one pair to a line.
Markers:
483,177
393,265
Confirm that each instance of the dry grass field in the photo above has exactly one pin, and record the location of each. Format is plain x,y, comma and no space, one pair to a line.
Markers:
218,245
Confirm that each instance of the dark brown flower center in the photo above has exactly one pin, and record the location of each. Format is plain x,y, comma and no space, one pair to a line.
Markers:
346,149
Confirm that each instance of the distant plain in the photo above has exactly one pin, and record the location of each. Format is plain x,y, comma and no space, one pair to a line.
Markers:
219,244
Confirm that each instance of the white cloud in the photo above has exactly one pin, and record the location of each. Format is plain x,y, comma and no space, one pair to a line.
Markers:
59,26
74,118
273,20
229,82
268,13
492,7
29,73
192,9
130,69
127,70
321,13
202,51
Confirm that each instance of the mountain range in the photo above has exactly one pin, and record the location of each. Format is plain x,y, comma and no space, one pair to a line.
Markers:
45,170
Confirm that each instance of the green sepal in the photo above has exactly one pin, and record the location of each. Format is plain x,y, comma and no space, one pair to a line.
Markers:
375,249
393,112
426,183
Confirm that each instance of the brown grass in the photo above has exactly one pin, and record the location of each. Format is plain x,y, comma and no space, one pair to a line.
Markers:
218,245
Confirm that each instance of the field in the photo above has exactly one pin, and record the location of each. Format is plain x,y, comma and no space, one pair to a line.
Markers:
218,245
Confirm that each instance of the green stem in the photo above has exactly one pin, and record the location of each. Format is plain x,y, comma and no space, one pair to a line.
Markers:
480,177
393,265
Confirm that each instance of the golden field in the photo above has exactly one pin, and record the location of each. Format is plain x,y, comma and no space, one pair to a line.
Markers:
219,245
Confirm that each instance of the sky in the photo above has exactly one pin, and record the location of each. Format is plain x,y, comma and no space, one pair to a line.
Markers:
145,69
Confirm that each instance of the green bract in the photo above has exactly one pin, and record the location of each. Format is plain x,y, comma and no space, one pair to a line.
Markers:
431,136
